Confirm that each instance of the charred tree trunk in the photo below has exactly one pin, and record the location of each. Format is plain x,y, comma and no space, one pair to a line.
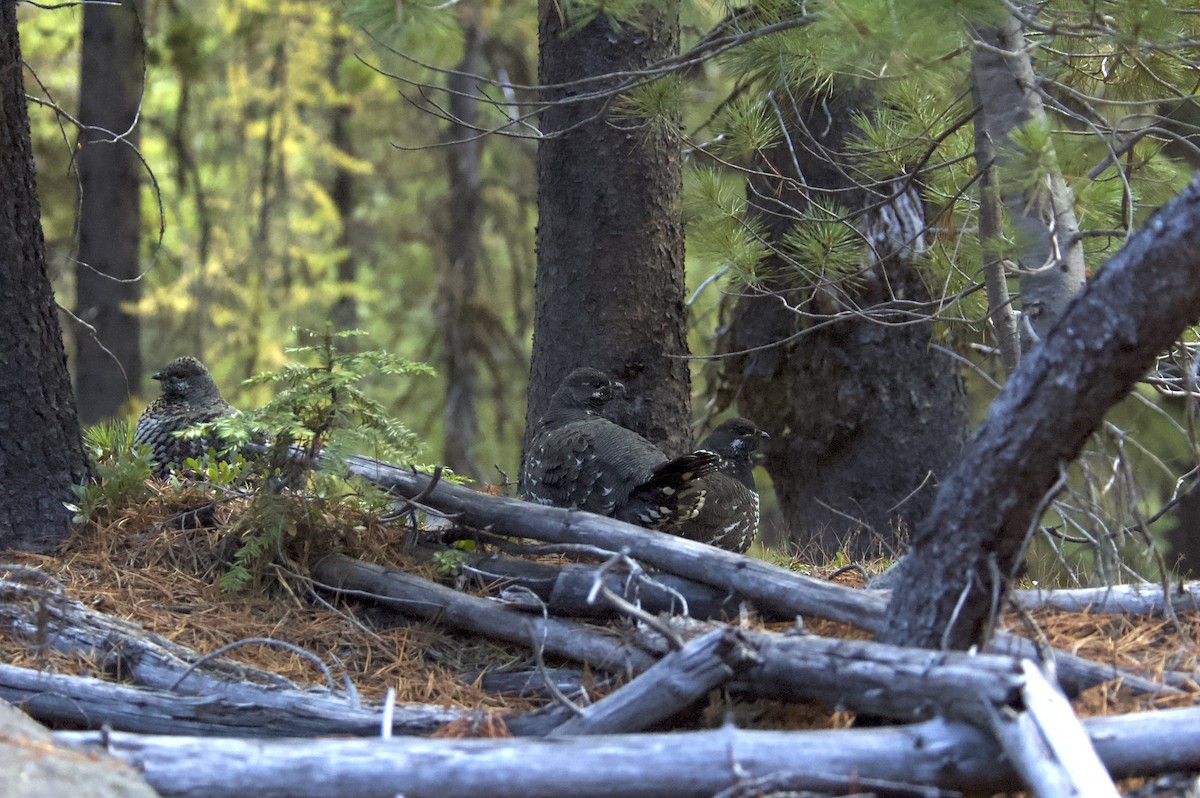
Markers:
864,416
965,555
460,277
610,278
108,361
41,454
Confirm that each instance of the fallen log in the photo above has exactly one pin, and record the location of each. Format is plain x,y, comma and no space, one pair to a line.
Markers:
1115,599
566,589
1047,744
60,699
673,684
772,589
418,597
937,753
859,675
220,695
44,617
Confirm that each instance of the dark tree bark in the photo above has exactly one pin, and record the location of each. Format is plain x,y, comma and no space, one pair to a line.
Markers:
458,283
610,278
41,454
966,553
108,362
864,416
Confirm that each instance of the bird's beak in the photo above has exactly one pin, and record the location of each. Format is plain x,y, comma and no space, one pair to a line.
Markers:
157,375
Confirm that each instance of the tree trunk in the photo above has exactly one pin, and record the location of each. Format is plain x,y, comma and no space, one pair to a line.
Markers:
41,454
108,363
965,555
344,311
610,277
1050,253
459,278
864,416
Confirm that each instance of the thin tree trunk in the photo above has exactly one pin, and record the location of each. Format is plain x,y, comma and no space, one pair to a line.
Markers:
108,363
344,312
41,453
459,279
967,552
1049,254
610,276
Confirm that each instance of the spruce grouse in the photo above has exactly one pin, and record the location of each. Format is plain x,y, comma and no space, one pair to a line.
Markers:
729,518
579,459
189,397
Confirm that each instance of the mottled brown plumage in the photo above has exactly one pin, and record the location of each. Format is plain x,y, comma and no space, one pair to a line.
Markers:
579,459
729,518
189,397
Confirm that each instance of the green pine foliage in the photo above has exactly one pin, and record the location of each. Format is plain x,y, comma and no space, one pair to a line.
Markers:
120,468
318,415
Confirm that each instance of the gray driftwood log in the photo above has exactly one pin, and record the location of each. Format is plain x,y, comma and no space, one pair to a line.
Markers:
773,590
418,597
1047,744
218,697
58,699
1115,599
939,753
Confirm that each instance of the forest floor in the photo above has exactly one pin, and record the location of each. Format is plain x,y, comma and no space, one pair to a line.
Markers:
140,565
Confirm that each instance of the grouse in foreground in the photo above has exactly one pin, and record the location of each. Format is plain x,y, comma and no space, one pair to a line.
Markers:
189,397
579,459
729,518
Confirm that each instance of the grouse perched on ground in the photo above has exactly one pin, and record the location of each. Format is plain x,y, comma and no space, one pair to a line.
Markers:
580,459
189,397
729,518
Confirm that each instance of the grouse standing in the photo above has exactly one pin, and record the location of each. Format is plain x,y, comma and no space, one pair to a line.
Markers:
729,518
579,459
189,397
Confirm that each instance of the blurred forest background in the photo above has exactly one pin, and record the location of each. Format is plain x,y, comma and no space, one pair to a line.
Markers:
295,170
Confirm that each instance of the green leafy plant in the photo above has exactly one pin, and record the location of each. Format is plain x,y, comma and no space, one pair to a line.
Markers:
448,562
120,467
319,415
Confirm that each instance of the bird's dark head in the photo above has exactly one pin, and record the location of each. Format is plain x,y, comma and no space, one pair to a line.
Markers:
187,378
587,389
735,439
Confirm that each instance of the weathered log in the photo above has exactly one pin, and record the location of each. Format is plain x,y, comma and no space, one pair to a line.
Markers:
565,589
221,695
772,589
61,699
1047,744
1122,599
939,753
412,595
873,678
674,683
48,618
